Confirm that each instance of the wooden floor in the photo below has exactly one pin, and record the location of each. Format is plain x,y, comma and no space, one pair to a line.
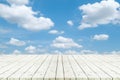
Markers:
60,67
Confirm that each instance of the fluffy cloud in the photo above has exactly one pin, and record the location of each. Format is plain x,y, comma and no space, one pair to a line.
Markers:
71,52
17,12
104,12
36,50
16,42
55,32
70,23
64,52
62,42
16,52
88,52
31,49
56,52
112,52
18,2
101,37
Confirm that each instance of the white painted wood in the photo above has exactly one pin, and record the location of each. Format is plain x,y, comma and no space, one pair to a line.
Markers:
30,73
98,71
114,65
79,73
8,60
106,68
14,69
7,68
90,74
59,74
68,72
51,72
24,68
42,70
60,67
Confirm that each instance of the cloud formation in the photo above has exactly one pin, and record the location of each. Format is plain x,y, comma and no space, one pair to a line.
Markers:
112,52
16,42
18,2
101,37
70,23
63,42
88,52
18,13
16,52
55,32
31,49
99,13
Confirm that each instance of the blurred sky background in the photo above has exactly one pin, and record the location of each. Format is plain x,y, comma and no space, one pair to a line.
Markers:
59,26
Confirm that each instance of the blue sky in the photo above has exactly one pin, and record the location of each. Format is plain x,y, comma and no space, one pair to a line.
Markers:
59,26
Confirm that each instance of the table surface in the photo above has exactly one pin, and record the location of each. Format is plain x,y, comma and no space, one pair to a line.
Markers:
60,67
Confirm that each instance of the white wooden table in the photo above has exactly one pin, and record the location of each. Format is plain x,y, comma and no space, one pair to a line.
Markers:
60,67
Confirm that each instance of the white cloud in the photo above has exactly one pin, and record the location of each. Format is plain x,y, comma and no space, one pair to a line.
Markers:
31,49
70,23
18,2
88,52
16,42
101,37
74,52
55,32
56,52
71,52
62,42
24,16
104,12
64,52
36,50
16,52
112,52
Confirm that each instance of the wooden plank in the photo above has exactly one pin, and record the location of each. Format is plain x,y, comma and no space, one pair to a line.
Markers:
79,73
51,72
68,72
7,68
31,72
95,69
114,69
112,61
105,68
11,59
8,60
23,68
60,67
59,74
14,68
90,74
42,70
